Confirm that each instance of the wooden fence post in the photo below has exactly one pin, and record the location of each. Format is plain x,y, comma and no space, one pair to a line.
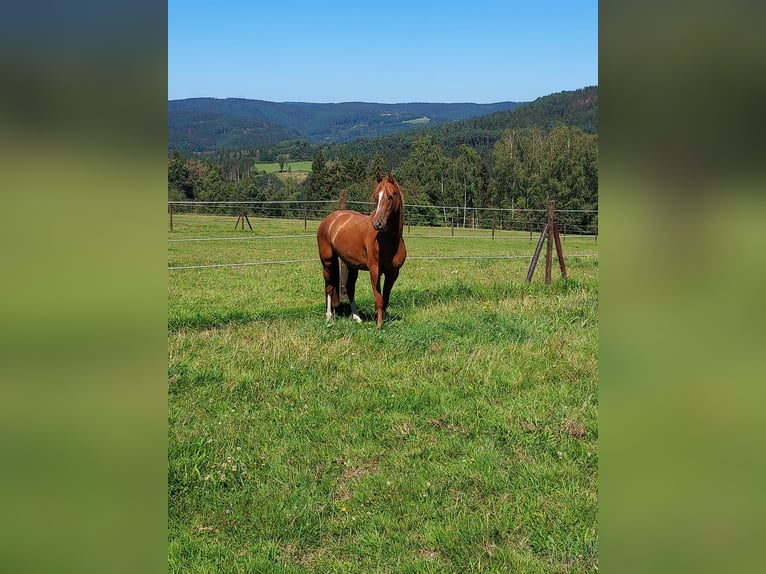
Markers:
243,217
551,232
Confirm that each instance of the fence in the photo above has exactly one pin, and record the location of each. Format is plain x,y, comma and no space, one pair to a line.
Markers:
570,221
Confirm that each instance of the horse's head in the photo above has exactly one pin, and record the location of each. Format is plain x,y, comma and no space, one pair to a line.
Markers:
388,204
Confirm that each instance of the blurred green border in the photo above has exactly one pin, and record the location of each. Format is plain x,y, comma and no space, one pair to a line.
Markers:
681,310
83,166
83,406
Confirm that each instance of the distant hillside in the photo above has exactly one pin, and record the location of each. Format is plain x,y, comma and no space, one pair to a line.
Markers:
209,124
576,108
206,131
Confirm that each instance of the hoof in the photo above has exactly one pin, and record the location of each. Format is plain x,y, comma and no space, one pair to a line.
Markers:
356,318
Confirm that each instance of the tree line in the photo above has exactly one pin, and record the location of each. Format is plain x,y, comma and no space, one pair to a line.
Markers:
522,169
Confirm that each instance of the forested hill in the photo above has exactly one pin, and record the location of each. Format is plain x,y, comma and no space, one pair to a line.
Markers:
575,108
545,149
209,124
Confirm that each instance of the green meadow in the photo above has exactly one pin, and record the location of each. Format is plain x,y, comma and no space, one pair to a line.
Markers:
273,167
462,436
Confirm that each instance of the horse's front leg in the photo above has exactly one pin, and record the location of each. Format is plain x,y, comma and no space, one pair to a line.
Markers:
387,286
375,280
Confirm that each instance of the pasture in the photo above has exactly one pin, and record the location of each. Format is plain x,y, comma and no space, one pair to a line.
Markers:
273,167
460,437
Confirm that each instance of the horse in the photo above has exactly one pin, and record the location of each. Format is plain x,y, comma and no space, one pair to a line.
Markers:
371,243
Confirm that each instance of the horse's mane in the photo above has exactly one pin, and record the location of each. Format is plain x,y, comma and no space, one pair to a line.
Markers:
390,179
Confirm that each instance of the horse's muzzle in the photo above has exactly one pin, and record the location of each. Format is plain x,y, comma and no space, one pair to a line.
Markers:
377,225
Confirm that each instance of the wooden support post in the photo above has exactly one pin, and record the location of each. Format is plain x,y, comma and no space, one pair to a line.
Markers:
551,232
559,251
536,255
170,209
453,227
305,217
549,245
243,217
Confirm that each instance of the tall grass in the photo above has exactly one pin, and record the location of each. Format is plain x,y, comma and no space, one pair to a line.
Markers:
462,436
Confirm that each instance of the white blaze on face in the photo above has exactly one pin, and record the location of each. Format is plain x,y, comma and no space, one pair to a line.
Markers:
380,200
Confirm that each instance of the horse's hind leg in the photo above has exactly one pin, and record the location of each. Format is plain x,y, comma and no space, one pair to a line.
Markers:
350,290
331,273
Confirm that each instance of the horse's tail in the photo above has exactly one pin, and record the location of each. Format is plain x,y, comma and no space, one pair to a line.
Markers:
335,274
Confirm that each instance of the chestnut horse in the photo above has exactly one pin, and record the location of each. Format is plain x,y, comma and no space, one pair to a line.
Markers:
372,243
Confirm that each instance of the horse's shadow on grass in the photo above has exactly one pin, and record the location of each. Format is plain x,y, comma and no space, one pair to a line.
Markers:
232,318
402,302
343,311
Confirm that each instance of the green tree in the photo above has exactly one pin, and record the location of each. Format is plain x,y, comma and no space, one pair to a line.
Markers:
425,171
180,183
377,165
325,180
517,156
467,169
282,159
316,181
354,170
532,167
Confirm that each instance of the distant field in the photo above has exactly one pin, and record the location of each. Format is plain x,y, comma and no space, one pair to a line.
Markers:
292,166
423,120
460,437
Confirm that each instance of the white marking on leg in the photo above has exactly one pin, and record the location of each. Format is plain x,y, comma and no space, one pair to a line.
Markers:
355,312
328,315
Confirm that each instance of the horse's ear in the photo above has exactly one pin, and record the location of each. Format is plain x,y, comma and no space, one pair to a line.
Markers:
391,178
378,178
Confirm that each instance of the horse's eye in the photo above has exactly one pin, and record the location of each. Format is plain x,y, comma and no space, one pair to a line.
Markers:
390,198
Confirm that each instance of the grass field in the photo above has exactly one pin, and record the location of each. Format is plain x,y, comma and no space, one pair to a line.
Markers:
292,165
421,120
460,437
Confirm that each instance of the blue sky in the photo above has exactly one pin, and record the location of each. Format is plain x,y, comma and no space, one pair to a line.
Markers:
479,51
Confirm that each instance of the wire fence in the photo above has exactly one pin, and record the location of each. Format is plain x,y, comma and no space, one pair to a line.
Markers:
570,221
456,222
314,260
